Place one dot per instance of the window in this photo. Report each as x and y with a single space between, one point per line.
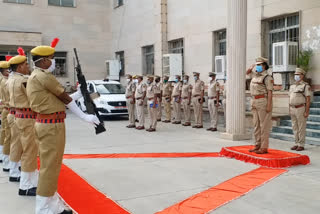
221 42
62 3
61 64
18 1
120 57
176 46
281 30
117 3
148 60
110 89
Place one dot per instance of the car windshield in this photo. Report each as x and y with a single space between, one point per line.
110 89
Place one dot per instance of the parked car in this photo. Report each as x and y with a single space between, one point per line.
111 100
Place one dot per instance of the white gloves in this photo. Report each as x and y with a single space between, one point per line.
90 118
76 95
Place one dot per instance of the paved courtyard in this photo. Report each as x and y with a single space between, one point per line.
149 185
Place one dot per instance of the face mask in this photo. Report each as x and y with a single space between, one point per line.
52 66
176 80
148 82
135 81
210 79
259 68
185 81
128 80
195 78
297 78
165 81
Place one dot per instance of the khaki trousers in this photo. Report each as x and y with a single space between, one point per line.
186 110
51 139
29 145
153 113
5 132
159 114
132 119
224 102
140 112
299 124
262 122
176 110
213 111
167 108
197 107
15 144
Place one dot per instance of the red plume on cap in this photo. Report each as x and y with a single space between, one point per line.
21 51
8 58
54 42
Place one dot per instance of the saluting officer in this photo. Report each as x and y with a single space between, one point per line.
166 98
213 101
261 87
176 100
5 130
186 100
24 122
197 100
140 94
153 93
299 101
130 90
158 83
48 98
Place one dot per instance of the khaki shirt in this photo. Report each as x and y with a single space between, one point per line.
166 89
186 90
152 89
298 93
140 89
17 89
261 84
131 88
197 88
5 97
177 88
213 89
42 90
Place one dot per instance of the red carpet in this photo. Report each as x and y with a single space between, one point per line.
274 159
143 155
223 193
84 198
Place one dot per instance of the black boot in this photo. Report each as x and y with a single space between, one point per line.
66 212
14 179
28 192
6 170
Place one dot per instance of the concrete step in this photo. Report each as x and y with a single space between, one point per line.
310 125
314 111
315 105
314 118
287 137
288 130
316 98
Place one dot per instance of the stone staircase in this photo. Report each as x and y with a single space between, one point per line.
285 132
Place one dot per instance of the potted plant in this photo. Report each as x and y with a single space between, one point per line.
303 61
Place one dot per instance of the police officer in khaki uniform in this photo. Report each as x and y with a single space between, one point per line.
166 91
140 94
158 83
130 90
24 123
213 101
224 102
176 100
48 98
261 87
153 92
197 100
186 100
299 106
5 130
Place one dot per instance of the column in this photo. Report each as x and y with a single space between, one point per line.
236 68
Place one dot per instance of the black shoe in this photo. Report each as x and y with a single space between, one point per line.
66 212
6 170
28 192
20 168
0 161
14 179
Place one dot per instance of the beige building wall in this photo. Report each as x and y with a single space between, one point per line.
86 27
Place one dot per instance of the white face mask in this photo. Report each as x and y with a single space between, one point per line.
185 81
128 80
210 79
52 66
297 78
135 81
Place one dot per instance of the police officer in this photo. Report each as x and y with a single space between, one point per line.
158 83
130 90
224 102
166 91
48 98
299 106
140 94
213 101
153 92
261 87
5 130
197 100
186 100
24 124
176 100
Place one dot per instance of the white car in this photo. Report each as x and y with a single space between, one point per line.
112 100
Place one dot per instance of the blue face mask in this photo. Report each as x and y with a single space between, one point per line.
259 68
176 80
297 78
195 78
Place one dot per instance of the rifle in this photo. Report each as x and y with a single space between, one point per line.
91 107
